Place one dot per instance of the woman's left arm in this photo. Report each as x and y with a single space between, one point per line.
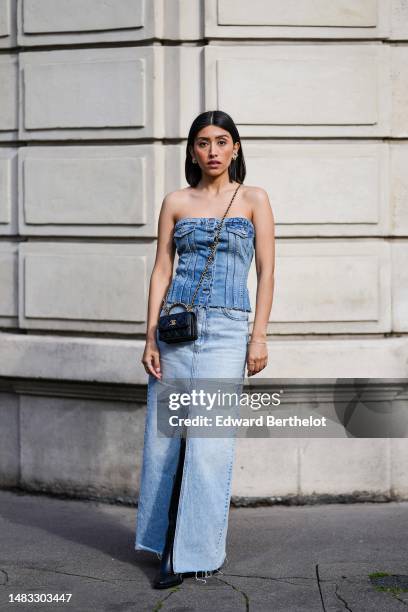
264 223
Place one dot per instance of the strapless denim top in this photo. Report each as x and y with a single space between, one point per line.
225 283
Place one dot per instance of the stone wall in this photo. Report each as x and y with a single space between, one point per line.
95 106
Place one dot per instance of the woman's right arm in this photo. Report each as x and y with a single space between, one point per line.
160 280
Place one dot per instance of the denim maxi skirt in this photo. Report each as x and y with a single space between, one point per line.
202 518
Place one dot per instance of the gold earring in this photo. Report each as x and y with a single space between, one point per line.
194 161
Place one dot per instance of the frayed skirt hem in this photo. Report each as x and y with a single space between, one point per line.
142 547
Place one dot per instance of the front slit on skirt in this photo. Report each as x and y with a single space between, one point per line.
205 493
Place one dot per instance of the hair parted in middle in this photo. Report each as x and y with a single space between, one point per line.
237 169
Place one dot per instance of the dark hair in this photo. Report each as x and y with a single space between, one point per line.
236 170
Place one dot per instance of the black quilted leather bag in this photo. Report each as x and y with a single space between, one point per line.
182 326
178 327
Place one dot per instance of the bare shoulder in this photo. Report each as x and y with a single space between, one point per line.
173 201
174 197
258 200
255 195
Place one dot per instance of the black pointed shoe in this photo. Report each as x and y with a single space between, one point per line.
167 578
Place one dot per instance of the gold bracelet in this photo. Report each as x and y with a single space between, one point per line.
256 342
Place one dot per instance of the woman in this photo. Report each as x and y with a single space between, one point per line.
186 482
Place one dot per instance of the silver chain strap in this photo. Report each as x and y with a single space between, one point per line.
213 247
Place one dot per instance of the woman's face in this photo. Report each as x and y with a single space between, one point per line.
213 144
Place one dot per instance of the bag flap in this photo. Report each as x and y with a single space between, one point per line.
175 321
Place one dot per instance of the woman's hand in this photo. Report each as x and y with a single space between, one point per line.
257 357
151 359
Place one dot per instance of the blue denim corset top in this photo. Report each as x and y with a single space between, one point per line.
225 283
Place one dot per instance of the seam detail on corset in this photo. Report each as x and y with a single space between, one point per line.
186 279
194 270
206 324
192 247
234 268
241 260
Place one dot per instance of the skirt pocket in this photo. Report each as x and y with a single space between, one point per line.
237 315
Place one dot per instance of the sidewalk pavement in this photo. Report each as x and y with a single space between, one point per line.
278 558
